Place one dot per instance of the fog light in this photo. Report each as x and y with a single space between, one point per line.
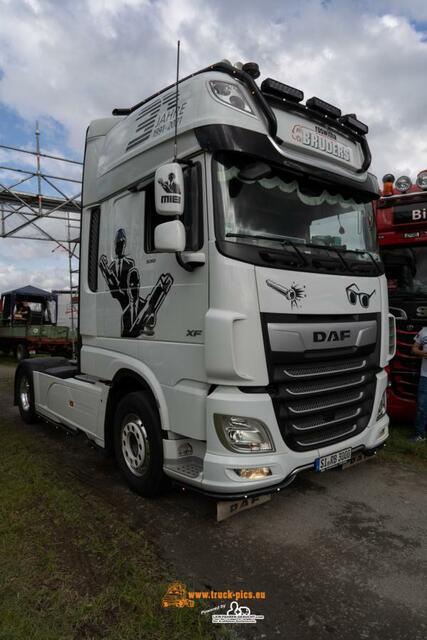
382 409
244 435
256 473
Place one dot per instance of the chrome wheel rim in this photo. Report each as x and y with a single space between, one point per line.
24 393
135 445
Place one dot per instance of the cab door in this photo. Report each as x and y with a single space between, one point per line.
145 294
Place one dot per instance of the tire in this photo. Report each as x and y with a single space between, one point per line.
21 352
138 444
25 396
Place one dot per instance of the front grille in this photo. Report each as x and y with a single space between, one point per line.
319 420
326 396
316 370
405 367
324 386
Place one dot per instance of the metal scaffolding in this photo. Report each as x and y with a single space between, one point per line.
46 209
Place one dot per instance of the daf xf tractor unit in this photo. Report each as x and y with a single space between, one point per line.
233 324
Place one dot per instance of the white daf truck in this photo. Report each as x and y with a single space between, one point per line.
233 324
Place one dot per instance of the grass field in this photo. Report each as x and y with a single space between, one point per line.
399 450
69 568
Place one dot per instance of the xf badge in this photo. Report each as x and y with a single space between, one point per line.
193 333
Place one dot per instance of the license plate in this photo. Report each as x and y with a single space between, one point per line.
333 460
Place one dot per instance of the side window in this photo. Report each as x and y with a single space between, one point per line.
192 217
92 261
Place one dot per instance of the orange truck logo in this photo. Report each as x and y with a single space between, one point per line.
176 596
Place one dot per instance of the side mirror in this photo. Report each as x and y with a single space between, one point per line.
170 236
169 190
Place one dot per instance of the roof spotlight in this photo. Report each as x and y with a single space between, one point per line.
351 121
422 179
403 184
281 90
323 107
252 69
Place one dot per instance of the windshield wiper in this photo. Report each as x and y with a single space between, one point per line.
341 251
280 239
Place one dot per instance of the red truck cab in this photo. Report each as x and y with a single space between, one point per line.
401 215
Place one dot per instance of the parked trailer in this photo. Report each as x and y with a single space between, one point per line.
36 331
234 323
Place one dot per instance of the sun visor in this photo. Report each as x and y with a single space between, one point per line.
321 145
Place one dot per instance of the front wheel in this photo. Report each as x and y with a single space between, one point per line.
25 397
138 444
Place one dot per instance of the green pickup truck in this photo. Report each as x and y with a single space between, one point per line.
28 324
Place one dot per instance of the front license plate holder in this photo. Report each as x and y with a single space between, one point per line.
332 460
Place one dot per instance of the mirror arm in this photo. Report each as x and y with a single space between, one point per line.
185 163
188 265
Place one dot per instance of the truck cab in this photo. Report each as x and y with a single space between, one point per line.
401 214
233 321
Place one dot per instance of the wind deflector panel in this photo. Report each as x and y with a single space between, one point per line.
147 117
92 261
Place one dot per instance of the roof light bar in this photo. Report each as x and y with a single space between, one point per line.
323 107
280 90
403 184
351 121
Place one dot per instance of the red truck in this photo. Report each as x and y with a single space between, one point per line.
401 214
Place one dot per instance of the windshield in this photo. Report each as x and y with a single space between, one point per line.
259 206
406 271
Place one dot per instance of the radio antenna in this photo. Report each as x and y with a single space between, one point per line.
175 152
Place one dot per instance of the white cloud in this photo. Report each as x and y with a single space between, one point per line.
72 61
25 262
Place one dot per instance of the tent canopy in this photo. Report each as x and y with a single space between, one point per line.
30 294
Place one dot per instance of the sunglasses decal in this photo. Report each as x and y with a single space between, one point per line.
354 294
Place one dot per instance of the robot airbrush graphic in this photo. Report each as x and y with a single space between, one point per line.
139 315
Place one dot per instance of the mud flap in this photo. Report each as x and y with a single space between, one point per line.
227 508
358 457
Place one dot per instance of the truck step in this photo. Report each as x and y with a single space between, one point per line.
190 467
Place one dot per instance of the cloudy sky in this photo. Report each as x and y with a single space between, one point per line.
66 62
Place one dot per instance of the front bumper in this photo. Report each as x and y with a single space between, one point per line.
219 464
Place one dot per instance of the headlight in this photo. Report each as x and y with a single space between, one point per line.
243 435
382 409
230 95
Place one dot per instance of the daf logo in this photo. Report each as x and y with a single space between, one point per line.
331 336
422 312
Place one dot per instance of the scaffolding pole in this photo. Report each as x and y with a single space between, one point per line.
22 212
